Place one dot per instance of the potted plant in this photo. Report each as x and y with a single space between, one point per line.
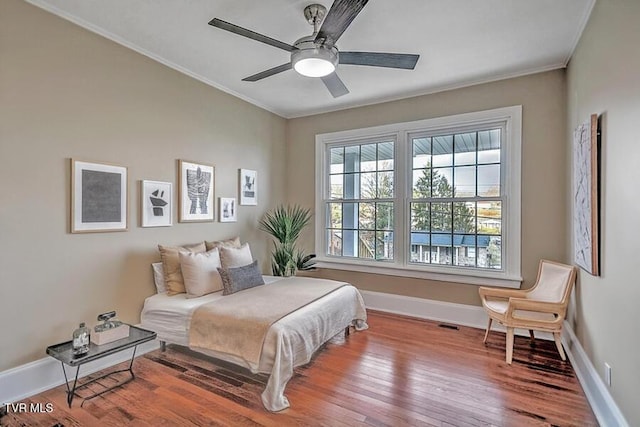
285 223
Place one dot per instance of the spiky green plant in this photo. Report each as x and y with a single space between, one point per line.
285 223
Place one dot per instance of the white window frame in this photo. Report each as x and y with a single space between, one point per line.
510 274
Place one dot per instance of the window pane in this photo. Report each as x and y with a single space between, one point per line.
366 244
336 184
367 216
443 150
337 160
385 185
489 146
385 156
441 216
352 158
422 183
421 251
465 148
462 255
421 153
368 185
490 218
384 216
441 244
441 182
350 215
465 181
490 252
334 239
464 217
420 217
368 157
334 215
350 243
351 186
384 245
489 180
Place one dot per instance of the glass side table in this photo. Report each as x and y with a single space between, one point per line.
62 352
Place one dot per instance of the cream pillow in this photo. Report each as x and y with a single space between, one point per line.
229 243
171 265
158 277
235 257
200 272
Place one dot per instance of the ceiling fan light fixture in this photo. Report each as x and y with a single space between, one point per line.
313 61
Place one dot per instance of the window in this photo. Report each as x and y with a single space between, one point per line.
436 198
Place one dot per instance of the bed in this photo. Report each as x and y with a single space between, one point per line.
289 342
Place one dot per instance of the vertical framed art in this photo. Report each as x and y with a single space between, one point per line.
99 199
248 187
228 209
156 205
196 183
586 196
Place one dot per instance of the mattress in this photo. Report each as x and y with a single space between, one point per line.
290 342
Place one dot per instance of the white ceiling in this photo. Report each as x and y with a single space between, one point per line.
460 42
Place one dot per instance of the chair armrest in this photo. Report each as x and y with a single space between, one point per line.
500 292
556 309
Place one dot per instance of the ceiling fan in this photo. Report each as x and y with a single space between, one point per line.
317 55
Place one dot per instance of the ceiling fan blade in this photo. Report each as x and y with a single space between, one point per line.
379 59
339 17
267 73
219 23
335 85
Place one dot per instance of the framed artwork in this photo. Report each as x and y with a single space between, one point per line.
585 196
196 200
99 199
156 204
228 209
248 187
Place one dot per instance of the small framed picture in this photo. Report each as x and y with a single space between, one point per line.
196 181
99 199
248 187
228 209
156 204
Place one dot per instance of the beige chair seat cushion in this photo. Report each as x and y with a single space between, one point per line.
499 306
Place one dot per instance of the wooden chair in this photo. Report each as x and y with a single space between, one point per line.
541 308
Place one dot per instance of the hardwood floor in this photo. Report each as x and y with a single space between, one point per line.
402 371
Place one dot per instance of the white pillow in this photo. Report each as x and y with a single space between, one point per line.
200 272
235 257
158 277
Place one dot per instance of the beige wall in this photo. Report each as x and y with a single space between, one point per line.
68 93
603 77
544 188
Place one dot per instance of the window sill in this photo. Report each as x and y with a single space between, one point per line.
489 278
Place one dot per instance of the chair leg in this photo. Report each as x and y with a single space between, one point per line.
486 334
533 337
556 338
509 345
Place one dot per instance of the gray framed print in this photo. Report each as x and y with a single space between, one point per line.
228 209
156 208
248 187
99 199
196 181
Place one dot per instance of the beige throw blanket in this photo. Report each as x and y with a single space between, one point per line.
237 324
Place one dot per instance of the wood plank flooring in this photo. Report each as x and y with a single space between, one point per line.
402 371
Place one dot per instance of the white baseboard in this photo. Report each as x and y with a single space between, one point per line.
601 401
604 407
43 374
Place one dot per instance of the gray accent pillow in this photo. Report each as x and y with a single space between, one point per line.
236 279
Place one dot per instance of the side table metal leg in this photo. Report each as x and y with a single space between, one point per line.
70 391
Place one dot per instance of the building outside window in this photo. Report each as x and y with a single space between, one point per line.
435 198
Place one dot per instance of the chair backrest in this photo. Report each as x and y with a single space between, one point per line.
554 283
